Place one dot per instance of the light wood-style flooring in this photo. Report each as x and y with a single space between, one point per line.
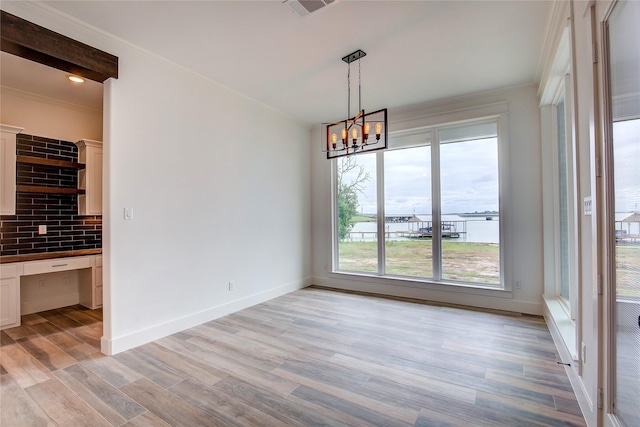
312 357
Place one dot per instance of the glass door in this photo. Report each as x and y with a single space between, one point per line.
624 149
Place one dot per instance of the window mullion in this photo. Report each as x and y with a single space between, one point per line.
574 198
380 212
334 216
436 228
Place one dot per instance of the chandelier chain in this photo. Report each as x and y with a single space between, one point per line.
349 90
359 89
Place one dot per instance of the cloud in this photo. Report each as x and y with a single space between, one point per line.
469 178
626 154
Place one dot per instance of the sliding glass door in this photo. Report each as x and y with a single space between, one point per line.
624 148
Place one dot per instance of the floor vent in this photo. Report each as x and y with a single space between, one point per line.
306 7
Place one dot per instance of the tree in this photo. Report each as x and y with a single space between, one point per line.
351 179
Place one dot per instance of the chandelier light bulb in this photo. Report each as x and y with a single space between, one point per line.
334 138
378 130
344 136
354 135
367 126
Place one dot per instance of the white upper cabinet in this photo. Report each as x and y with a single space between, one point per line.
90 178
8 171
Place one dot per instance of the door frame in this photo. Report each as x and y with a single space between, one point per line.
38 44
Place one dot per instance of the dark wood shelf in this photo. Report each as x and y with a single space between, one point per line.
47 190
49 162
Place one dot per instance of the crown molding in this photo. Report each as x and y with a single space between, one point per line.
558 21
45 99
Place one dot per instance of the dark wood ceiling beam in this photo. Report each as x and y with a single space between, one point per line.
30 41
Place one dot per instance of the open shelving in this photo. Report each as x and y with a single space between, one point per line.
48 190
40 189
49 162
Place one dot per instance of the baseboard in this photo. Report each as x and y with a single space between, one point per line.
582 396
30 307
135 339
457 296
558 318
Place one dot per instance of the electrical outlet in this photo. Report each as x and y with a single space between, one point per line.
232 285
517 284
42 229
42 284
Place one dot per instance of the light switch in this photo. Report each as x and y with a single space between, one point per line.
42 229
128 213
587 205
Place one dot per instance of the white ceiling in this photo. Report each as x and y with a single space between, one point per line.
28 76
417 51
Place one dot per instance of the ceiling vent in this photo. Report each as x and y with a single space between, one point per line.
306 7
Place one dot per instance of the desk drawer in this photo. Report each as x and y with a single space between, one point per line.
8 271
59 264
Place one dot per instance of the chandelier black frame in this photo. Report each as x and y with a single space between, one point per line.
361 133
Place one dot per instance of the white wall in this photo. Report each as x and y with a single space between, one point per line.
42 292
49 118
524 227
219 185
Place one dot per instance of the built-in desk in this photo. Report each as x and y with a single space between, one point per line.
89 269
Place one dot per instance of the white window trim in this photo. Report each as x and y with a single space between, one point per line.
556 310
564 93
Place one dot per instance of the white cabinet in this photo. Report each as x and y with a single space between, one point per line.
9 296
8 169
91 284
89 269
97 282
55 265
90 178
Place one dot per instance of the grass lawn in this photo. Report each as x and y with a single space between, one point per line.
362 219
463 261
628 270
471 262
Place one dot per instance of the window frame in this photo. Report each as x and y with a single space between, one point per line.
559 78
564 93
494 113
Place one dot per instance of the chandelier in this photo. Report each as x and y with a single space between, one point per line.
361 133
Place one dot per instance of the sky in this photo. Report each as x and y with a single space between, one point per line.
469 176
626 154
469 179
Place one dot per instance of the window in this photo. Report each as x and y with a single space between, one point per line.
563 200
469 204
561 216
423 210
566 212
566 206
407 190
357 200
